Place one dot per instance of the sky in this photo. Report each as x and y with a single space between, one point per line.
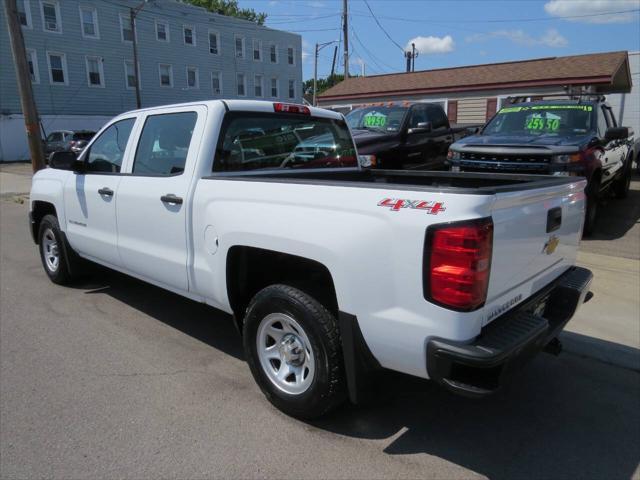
455 32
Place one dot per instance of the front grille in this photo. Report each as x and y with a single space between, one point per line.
510 158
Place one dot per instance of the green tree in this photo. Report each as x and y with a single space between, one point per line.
230 8
323 83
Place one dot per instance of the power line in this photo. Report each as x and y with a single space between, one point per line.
381 65
381 27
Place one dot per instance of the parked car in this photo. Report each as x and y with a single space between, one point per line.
558 137
468 274
67 140
404 135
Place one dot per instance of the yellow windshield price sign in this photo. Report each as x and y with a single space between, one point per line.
584 108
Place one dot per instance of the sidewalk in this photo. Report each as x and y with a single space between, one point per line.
15 179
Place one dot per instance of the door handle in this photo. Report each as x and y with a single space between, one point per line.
106 191
171 198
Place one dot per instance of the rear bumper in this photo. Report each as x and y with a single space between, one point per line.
480 368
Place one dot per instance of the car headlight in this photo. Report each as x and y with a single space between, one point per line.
453 155
367 161
569 158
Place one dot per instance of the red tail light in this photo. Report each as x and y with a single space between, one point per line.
457 264
291 108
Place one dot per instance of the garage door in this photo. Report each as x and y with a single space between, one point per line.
472 110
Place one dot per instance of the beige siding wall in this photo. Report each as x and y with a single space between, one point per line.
472 110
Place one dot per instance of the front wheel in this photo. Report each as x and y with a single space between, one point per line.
53 252
292 345
593 196
622 184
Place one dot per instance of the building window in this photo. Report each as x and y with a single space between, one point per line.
166 75
51 21
125 28
89 22
162 31
32 59
193 78
291 60
257 50
130 74
292 89
274 87
95 71
273 53
24 13
257 85
216 83
239 46
214 42
57 68
189 35
240 80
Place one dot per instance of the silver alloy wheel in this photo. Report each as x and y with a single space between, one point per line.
285 353
50 250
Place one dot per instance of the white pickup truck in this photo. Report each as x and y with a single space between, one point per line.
332 272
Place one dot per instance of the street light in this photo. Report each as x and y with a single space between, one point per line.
319 46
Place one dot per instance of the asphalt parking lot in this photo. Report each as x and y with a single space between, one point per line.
114 378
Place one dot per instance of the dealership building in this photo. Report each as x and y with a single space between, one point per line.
80 56
472 94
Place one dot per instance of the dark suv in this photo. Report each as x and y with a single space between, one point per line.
67 141
578 137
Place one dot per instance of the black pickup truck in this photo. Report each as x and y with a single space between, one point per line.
403 135
572 137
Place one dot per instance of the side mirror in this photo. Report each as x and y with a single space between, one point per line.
64 161
422 127
616 133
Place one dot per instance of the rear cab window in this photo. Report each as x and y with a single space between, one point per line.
271 141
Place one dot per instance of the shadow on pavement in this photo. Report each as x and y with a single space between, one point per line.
563 417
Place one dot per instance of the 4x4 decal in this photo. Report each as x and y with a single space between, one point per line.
395 204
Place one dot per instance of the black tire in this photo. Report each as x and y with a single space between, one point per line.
622 184
67 266
326 389
591 214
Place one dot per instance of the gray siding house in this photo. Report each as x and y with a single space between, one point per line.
81 59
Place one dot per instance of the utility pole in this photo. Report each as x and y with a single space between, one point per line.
345 32
333 63
133 13
23 77
319 46
411 58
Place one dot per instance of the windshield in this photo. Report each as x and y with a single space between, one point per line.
537 120
385 119
253 141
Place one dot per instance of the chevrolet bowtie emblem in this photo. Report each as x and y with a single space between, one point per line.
551 245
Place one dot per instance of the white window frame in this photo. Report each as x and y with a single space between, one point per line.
235 47
293 56
160 65
261 83
274 44
94 15
65 70
197 70
289 89
56 4
32 56
166 30
27 13
100 70
219 75
217 35
126 80
125 18
253 50
244 84
193 35
277 95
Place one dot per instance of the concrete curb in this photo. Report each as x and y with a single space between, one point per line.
601 350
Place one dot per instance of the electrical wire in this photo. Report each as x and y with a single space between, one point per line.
381 27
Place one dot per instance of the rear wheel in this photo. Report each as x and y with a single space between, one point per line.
293 348
593 196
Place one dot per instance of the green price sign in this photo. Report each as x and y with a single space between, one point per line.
539 123
375 120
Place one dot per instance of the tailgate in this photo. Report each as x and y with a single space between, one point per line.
536 238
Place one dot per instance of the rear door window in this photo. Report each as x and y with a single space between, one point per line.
254 141
164 144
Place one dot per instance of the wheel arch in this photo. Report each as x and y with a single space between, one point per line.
39 209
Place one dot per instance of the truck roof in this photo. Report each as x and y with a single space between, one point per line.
550 101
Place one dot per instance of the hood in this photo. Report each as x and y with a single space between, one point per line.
372 137
523 141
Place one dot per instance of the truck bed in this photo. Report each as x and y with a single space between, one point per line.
431 181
